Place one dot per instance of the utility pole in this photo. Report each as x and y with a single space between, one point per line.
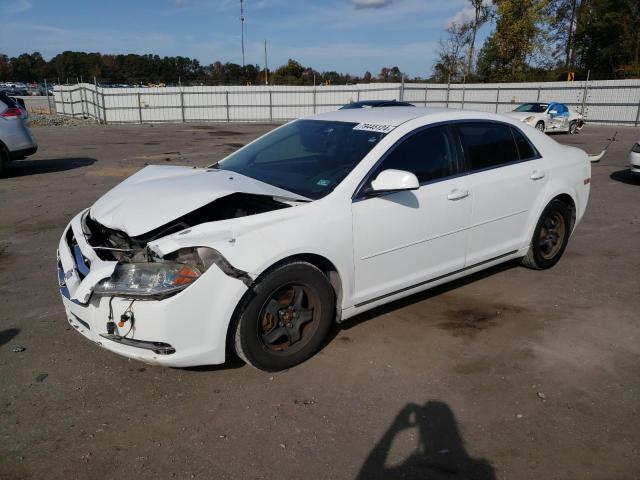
266 68
242 27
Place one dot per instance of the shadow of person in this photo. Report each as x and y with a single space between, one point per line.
440 453
7 335
21 168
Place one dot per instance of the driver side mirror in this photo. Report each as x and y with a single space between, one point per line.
392 180
553 112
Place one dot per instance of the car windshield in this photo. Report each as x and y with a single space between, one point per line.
532 107
306 157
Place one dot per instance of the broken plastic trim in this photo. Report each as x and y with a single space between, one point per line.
160 348
228 269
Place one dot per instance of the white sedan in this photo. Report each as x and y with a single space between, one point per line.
634 159
548 117
313 223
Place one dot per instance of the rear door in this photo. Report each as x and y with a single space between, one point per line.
404 238
506 176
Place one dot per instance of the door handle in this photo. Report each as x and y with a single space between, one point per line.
537 175
457 194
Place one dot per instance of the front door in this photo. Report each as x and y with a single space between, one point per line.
404 238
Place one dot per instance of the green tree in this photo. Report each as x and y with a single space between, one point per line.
607 38
518 35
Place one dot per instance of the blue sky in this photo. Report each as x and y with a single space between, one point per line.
349 36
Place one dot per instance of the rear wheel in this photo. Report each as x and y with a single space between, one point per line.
4 159
550 237
540 126
285 317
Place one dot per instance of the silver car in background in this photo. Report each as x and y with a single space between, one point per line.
16 140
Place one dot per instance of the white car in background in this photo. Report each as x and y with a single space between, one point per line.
548 117
634 159
317 221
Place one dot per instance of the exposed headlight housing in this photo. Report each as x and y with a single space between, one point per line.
148 279
529 119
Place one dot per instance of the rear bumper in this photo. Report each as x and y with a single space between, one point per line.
23 153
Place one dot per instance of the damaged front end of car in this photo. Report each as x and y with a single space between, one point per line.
153 284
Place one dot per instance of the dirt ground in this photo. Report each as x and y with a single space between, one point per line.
508 374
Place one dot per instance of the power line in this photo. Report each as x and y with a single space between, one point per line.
242 27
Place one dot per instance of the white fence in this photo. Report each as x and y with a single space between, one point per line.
605 101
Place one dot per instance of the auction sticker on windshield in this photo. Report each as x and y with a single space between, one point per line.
374 127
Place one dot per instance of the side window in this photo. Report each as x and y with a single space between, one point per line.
525 149
488 144
429 154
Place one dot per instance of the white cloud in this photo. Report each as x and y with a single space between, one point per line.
465 15
14 6
371 3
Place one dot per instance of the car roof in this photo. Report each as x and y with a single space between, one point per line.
392 116
395 116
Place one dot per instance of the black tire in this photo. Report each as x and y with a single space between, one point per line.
4 160
284 317
573 128
550 237
540 126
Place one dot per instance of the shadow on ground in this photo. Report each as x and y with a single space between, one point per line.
625 176
440 453
7 335
417 297
21 168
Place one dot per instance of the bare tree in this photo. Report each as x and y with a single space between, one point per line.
482 14
450 63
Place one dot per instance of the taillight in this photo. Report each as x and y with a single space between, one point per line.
12 112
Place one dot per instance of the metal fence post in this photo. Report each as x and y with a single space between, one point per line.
425 94
46 89
358 95
497 98
139 107
182 105
314 100
538 99
95 100
637 115
104 107
584 92
82 100
448 91
464 90
270 107
71 102
401 94
226 94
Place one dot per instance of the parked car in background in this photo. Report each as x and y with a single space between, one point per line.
16 139
634 159
548 117
315 222
375 104
16 89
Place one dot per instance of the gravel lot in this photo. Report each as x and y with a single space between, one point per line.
509 374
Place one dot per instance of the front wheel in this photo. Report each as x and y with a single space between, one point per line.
540 126
550 237
285 317
573 128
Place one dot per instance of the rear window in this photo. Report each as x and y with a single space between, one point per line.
488 145
525 149
8 101
636 148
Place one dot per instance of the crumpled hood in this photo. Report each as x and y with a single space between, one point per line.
158 194
520 115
